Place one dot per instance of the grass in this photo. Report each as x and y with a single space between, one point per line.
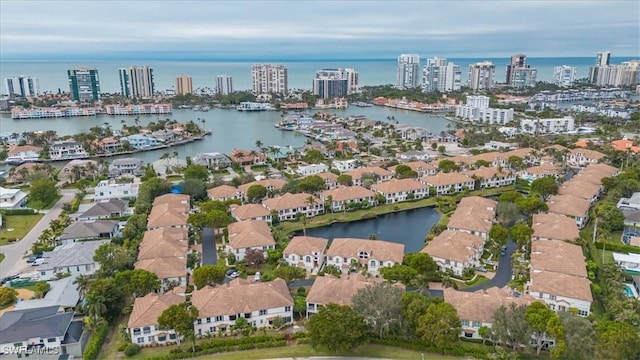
31 203
110 347
86 201
220 172
21 225
259 168
479 280
174 177
2 256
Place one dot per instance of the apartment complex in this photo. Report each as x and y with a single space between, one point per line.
22 86
269 78
224 84
477 110
564 75
603 73
408 71
184 85
440 75
519 73
136 82
330 83
482 75
84 84
547 126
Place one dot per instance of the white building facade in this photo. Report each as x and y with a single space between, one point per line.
408 76
564 75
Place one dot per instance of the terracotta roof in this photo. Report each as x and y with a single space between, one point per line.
165 267
568 205
249 211
589 154
605 168
328 176
177 201
545 169
164 242
554 226
634 241
593 175
241 296
377 249
416 166
250 233
277 184
487 172
346 193
555 147
548 282
289 201
222 192
482 304
357 173
522 153
246 156
24 148
147 309
443 179
580 188
474 213
331 290
625 145
488 156
559 257
453 245
397 185
163 215
302 245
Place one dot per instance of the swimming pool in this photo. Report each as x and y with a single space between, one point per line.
628 291
632 272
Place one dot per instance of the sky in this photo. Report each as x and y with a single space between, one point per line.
299 29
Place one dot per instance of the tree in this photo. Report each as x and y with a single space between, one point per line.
137 282
499 233
43 192
82 283
509 196
180 318
440 325
313 156
255 193
507 212
96 305
399 272
337 327
300 304
242 326
442 149
510 326
41 288
113 258
617 341
213 219
311 184
611 218
545 323
290 273
545 186
113 295
254 257
344 179
521 234
8 296
485 333
208 275
579 336
531 205
405 172
381 307
447 165
515 162
195 188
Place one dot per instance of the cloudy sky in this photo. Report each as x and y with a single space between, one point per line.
316 29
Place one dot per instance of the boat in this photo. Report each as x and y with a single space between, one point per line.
205 108
361 104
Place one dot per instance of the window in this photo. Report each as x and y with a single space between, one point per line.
293 258
151 338
583 313
464 322
287 308
146 330
162 338
140 340
172 336
308 259
540 295
552 297
232 317
468 335
247 315
199 321
51 340
263 312
476 324
219 318
373 263
208 320
344 260
136 331
363 255
312 306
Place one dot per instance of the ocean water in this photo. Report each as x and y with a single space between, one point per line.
53 73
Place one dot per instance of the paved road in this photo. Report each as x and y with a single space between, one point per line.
503 273
14 262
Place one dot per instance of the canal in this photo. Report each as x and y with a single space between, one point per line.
407 227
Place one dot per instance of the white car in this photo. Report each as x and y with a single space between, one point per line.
256 277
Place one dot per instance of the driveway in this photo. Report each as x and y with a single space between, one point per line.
14 262
503 273
209 251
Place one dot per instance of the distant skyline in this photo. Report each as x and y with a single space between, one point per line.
315 29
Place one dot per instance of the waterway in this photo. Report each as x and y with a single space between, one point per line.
407 227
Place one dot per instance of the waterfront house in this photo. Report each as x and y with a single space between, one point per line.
474 215
554 227
23 153
143 321
420 167
62 293
223 193
165 136
127 166
250 212
397 190
67 150
345 165
306 252
329 289
559 257
109 145
249 234
171 271
572 206
455 251
273 186
348 197
75 258
561 292
139 109
110 189
379 174
164 242
141 142
488 177
89 230
288 205
448 183
213 160
330 180
260 303
349 254
76 169
112 208
12 198
312 169
245 157
583 157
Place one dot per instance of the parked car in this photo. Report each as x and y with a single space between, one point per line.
256 277
9 278
32 259
232 273
481 269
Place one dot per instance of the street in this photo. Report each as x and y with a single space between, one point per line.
503 272
14 262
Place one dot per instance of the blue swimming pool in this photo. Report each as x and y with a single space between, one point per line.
633 272
628 291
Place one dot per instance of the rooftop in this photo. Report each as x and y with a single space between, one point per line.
558 256
453 245
302 245
250 233
474 213
399 185
554 226
377 249
580 188
106 208
358 173
148 308
22 325
249 211
346 193
222 191
568 205
444 179
73 254
290 201
165 267
331 290
482 304
549 282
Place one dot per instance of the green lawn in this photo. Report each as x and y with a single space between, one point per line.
259 168
86 201
174 177
480 279
48 206
220 172
21 225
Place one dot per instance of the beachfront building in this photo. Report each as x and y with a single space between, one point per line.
249 234
481 75
408 74
397 190
547 126
22 86
63 150
564 75
84 84
136 82
331 83
349 254
110 189
455 251
519 73
289 205
306 252
184 85
224 84
12 198
440 75
348 197
269 78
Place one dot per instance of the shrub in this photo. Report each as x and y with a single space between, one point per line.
619 247
132 349
92 349
122 346
10 212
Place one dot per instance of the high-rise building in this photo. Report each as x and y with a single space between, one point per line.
517 61
519 74
603 58
84 84
331 83
184 85
440 75
224 84
482 75
564 75
408 71
269 78
22 86
136 82
352 80
625 74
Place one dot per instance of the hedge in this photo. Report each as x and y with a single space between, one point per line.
92 350
10 212
246 345
458 349
618 247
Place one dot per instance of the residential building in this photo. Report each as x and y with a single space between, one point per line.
547 126
67 150
481 75
62 293
289 205
75 258
352 80
260 303
372 255
184 85
140 142
554 227
12 198
139 109
167 215
631 203
223 193
376 173
562 292
23 153
345 165
330 180
331 83
564 75
408 76
143 322
476 309
397 190
312 169
420 167
559 257
306 252
269 78
440 75
111 208
164 242
22 86
244 157
486 115
517 61
214 160
89 230
630 261
414 155
136 82
448 183
603 58
455 251
474 215
273 186
582 157
583 189
127 166
171 271
84 84
348 197
250 212
572 206
76 169
489 176
31 330
249 234
539 171
340 291
110 189
625 145
224 84
479 101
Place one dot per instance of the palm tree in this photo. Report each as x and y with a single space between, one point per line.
92 168
259 144
82 284
328 204
175 156
91 325
96 306
166 156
